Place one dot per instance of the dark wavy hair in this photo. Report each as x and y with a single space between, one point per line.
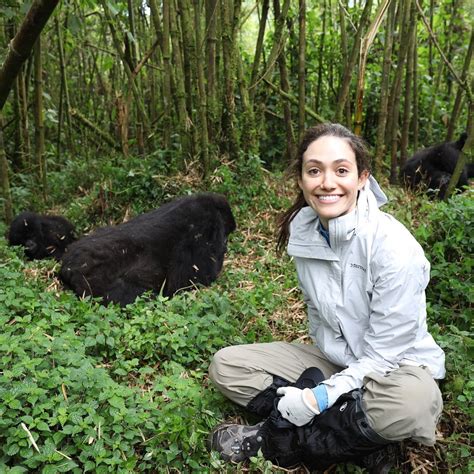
359 147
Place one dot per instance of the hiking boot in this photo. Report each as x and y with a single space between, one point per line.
235 443
381 461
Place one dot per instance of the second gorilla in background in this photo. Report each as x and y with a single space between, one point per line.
178 246
433 167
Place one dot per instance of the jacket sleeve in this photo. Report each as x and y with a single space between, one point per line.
397 308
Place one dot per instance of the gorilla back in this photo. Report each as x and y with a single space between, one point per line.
433 167
42 236
178 246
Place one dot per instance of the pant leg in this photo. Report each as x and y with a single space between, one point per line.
404 404
243 371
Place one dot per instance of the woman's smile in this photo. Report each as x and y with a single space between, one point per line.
329 198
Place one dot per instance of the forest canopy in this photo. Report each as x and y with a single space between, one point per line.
205 80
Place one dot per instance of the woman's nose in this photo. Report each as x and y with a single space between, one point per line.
328 181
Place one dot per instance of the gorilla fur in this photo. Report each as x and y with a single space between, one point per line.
432 167
42 236
177 246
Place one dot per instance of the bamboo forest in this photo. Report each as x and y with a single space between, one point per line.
201 200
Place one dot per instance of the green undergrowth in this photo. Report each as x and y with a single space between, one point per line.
88 388
108 389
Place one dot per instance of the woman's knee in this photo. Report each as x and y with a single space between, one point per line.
226 363
218 365
405 404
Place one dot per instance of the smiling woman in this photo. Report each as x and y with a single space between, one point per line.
367 381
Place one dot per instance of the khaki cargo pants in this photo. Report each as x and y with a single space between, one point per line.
404 404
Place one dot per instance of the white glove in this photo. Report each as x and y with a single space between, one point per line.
295 405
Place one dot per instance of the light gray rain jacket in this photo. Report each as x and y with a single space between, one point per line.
366 293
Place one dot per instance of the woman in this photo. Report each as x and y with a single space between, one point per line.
368 379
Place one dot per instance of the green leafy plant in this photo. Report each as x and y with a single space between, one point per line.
89 388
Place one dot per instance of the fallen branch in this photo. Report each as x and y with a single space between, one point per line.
294 100
91 126
30 437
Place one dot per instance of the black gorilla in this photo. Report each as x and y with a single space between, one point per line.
178 246
42 236
434 166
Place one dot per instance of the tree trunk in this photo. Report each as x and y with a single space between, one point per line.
4 179
301 67
64 89
165 50
279 38
319 84
408 86
211 43
285 87
132 87
39 121
366 42
344 53
384 86
431 108
183 120
467 153
202 102
18 156
259 48
415 125
460 92
23 103
350 64
134 50
154 86
229 132
189 65
21 46
430 42
247 121
396 89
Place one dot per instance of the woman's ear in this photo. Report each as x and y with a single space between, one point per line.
364 176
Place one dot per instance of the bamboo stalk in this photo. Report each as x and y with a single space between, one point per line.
365 45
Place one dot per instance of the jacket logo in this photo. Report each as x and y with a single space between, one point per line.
360 267
343 406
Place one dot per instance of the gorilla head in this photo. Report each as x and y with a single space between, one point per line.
41 236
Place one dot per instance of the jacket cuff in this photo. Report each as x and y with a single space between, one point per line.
314 410
321 395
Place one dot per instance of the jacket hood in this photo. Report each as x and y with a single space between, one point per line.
380 196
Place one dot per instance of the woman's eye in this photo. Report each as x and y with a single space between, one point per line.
342 171
313 171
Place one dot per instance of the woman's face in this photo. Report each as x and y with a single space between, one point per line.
329 179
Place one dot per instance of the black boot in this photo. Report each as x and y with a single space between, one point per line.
263 403
339 434
383 460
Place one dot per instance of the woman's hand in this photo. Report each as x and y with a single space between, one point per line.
297 406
